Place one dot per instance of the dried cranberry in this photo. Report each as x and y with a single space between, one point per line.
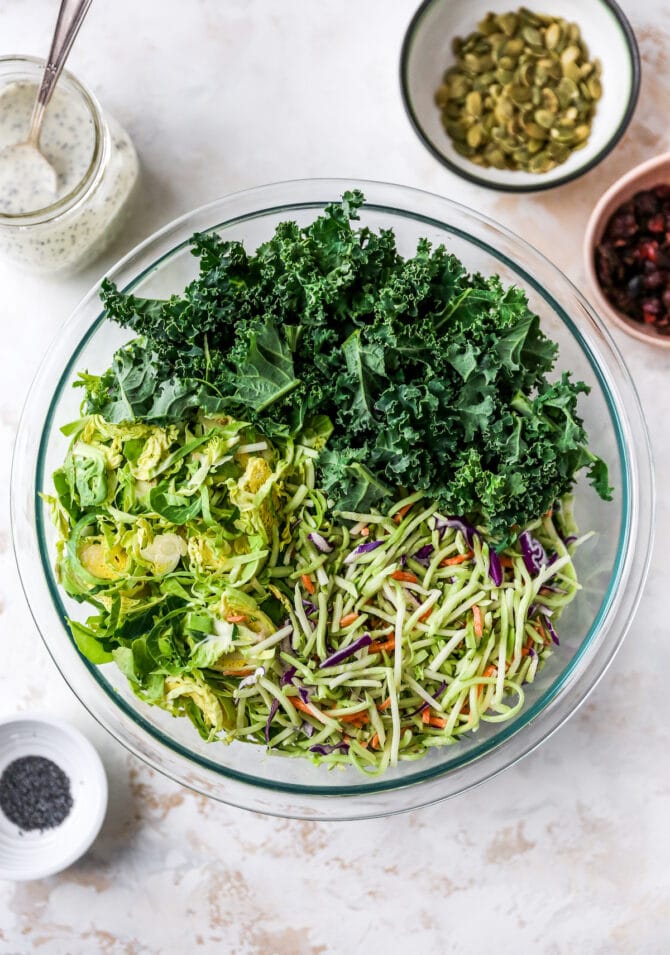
649 250
652 281
633 258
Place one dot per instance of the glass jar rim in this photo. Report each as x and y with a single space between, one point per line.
66 202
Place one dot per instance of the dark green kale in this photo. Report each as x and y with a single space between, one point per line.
432 378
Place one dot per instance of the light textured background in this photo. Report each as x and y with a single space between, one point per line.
567 852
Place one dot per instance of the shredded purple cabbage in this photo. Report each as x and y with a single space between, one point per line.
274 706
362 549
495 568
425 706
467 530
534 554
287 676
424 552
347 651
552 632
320 542
308 729
303 693
539 608
325 749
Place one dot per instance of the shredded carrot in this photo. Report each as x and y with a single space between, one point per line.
385 705
307 583
506 561
478 621
244 672
426 615
363 743
405 575
374 742
543 633
365 531
378 645
431 720
235 617
489 671
459 559
397 518
299 705
348 618
359 718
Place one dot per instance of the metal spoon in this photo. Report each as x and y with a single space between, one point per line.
25 161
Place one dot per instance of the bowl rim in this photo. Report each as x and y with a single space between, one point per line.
312 194
621 189
96 777
540 186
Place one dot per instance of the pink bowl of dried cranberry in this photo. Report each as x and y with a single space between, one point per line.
627 252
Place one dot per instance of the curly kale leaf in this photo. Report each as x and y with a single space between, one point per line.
431 378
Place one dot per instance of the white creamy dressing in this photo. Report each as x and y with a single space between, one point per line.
76 202
28 183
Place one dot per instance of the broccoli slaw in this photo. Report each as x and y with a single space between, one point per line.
228 589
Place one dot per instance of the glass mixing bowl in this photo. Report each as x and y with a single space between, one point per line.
612 565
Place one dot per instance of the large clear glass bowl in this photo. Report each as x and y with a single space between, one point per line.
612 565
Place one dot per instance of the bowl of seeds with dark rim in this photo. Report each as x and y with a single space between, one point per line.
519 99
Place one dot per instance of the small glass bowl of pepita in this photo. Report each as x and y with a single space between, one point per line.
516 98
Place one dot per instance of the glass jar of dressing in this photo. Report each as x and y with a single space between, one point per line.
96 172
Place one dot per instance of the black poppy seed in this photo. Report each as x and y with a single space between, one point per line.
35 793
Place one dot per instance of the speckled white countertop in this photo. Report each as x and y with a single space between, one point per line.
565 853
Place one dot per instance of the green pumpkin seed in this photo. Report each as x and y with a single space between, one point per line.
572 71
514 47
463 149
504 109
552 36
532 35
488 25
522 92
549 100
507 62
473 103
504 76
563 134
569 55
540 162
508 23
544 118
525 73
594 87
475 136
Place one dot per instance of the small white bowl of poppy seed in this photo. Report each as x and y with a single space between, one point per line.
53 796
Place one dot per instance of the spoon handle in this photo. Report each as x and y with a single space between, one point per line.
70 18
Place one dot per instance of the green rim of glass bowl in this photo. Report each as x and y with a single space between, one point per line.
620 21
430 773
